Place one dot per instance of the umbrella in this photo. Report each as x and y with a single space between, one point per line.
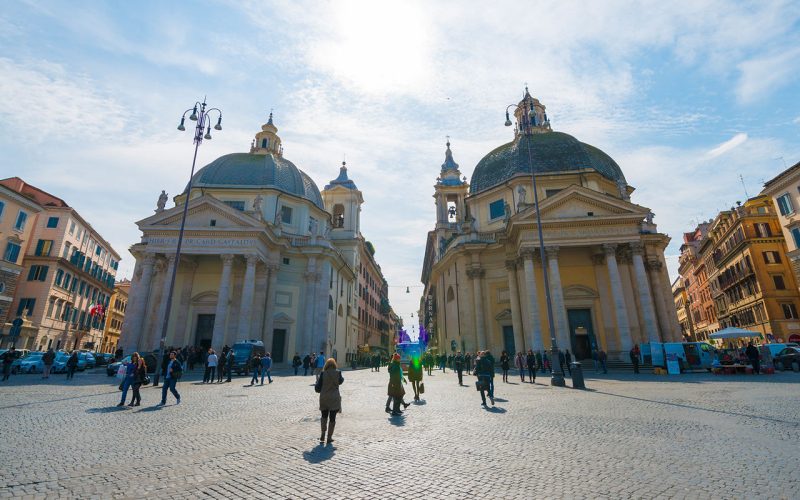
733 333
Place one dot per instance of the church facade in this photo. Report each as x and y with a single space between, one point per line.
482 273
265 256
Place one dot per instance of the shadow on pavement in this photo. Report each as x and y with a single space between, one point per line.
115 391
495 409
107 409
319 453
151 408
501 400
397 420
420 402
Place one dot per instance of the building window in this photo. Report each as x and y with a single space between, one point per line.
59 276
213 222
496 209
72 228
789 311
238 205
22 217
779 283
2 209
26 304
52 222
43 248
450 294
785 204
338 215
286 214
763 230
37 273
286 261
264 143
772 257
12 252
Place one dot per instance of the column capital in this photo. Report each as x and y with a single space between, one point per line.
148 259
189 263
227 258
598 259
552 252
475 272
272 267
528 253
610 249
511 264
637 248
653 265
252 260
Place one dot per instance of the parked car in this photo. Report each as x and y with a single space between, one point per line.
91 362
32 363
103 358
21 355
789 357
149 359
60 363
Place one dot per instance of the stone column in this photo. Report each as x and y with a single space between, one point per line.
557 297
620 310
476 274
162 308
182 322
223 297
672 314
137 303
259 304
516 317
645 295
535 333
308 317
611 340
269 314
655 275
248 292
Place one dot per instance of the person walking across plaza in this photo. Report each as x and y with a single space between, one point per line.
530 361
458 364
602 357
468 363
48 359
211 366
519 364
306 364
221 362
546 363
395 390
319 363
229 364
130 372
754 357
488 355
72 364
330 400
296 362
415 375
266 368
172 372
484 371
139 378
255 367
505 365
8 359
635 352
568 361
428 361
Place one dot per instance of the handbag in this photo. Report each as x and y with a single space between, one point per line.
422 388
318 384
120 386
146 380
480 385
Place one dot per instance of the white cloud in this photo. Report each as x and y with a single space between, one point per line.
728 145
764 74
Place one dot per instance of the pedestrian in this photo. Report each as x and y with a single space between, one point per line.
568 361
429 362
539 365
255 366
530 362
754 357
221 365
48 359
450 361
561 361
72 364
595 361
546 363
211 366
296 362
415 375
139 378
191 358
320 363
330 401
490 360
395 391
8 359
602 356
468 363
127 380
443 363
266 368
306 364
458 363
519 364
229 362
172 372
505 365
635 352
484 370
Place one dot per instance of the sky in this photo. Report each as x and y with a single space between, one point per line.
697 101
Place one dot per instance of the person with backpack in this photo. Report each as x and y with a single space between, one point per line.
296 362
330 400
172 372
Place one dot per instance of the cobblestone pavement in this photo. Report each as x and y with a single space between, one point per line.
693 436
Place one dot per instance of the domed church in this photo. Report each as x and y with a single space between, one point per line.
265 256
484 287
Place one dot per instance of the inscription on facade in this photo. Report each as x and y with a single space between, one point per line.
203 242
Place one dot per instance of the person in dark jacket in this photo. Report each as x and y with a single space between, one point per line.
72 364
754 357
395 391
48 359
484 370
330 401
8 359
468 363
531 361
230 362
172 372
562 361
306 364
505 365
255 367
635 352
296 362
567 361
139 376
458 364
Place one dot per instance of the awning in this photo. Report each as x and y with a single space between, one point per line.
733 333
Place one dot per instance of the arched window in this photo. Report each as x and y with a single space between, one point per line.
338 215
264 143
340 313
450 294
330 302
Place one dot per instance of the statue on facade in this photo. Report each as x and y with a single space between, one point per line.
312 227
521 196
257 203
507 211
649 217
162 201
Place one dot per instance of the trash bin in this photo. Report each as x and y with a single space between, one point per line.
577 375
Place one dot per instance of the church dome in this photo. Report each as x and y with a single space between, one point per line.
263 167
551 152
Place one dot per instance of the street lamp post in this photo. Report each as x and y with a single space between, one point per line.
202 115
526 129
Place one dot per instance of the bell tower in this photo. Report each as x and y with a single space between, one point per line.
343 201
267 141
450 193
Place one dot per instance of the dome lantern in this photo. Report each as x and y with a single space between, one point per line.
267 141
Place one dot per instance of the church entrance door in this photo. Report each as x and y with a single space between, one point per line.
278 344
508 340
204 331
581 333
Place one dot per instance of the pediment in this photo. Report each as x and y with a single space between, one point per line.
578 202
202 211
504 315
283 318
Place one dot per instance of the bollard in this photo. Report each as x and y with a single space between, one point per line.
577 375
